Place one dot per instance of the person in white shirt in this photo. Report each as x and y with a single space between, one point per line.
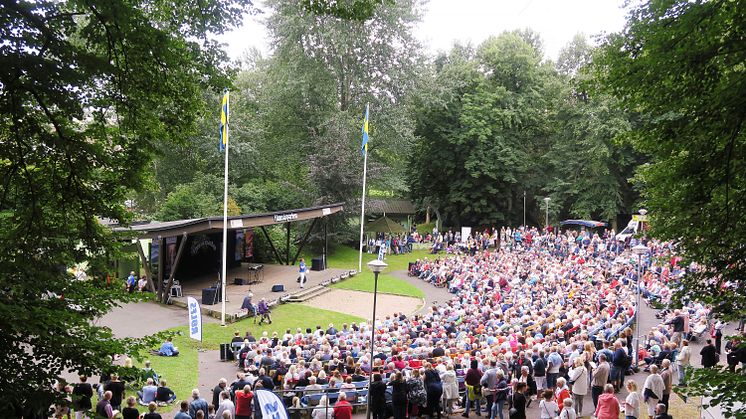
633 401
652 390
579 377
683 360
548 408
567 410
226 405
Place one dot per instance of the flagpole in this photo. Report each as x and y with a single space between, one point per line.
225 216
362 206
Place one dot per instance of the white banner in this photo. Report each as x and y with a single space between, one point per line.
272 406
465 233
195 319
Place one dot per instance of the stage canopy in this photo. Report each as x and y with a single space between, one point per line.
170 238
584 223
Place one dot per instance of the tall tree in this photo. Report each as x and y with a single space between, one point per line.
681 65
493 106
87 90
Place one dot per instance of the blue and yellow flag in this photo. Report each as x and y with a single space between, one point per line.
364 148
224 113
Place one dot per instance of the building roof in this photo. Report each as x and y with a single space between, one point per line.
155 229
389 206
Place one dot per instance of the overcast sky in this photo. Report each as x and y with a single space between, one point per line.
447 21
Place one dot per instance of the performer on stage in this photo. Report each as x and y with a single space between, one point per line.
302 272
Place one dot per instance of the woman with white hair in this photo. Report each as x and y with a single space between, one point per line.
450 388
322 410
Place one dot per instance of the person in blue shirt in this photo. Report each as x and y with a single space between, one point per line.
168 348
302 272
131 282
148 392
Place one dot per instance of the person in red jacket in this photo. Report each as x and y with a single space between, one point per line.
343 408
608 405
244 404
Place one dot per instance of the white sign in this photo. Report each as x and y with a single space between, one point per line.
281 218
326 211
195 319
272 406
237 223
465 233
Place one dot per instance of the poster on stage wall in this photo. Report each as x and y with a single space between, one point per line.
465 233
238 248
248 243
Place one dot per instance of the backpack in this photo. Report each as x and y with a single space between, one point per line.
627 361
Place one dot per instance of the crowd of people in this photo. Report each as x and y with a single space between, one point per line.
535 317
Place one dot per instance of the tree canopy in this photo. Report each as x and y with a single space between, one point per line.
680 65
80 118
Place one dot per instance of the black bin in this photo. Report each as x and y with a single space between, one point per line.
226 352
317 264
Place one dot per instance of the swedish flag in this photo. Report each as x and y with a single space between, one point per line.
364 148
224 118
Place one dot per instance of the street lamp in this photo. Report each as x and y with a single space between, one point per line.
639 250
524 208
546 200
642 212
376 266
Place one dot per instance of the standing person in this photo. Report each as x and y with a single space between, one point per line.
554 362
709 355
473 388
683 360
399 396
608 405
183 411
652 390
131 282
568 412
489 384
579 379
226 405
633 401
618 365
501 395
197 404
377 394
434 389
116 387
450 388
244 399
548 408
540 373
719 325
302 269
81 398
416 393
667 376
519 401
599 378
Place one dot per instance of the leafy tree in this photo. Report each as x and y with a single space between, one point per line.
681 65
589 164
494 105
87 91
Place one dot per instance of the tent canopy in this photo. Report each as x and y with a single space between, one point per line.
584 223
384 225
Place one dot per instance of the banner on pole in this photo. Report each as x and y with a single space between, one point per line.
195 319
272 407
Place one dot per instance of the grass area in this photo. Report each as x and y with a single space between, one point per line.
346 257
285 316
179 372
386 284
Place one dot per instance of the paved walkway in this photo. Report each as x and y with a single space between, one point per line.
433 295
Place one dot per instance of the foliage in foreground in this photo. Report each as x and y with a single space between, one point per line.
88 88
680 64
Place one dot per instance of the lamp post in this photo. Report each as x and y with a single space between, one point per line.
639 250
546 200
524 208
376 266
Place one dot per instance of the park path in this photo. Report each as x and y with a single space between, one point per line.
433 295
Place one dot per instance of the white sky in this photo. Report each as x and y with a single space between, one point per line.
447 21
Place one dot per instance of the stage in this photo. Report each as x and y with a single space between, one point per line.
262 281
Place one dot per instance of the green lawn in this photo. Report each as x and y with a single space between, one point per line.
347 258
386 284
181 372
